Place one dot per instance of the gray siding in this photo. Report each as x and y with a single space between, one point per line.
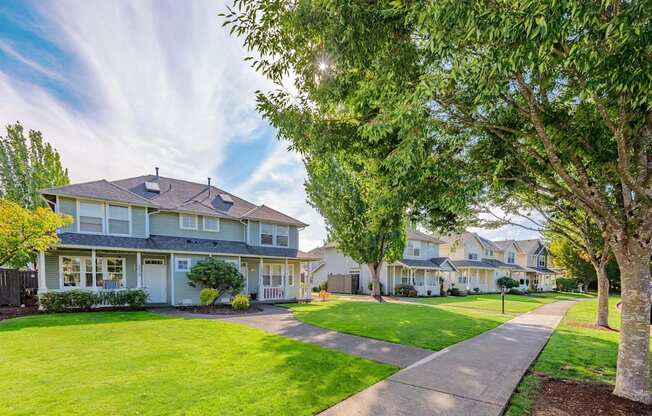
294 237
52 266
138 227
167 223
254 235
69 206
182 290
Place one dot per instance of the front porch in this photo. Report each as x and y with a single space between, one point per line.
163 275
470 278
426 281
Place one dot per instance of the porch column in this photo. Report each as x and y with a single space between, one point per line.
172 269
285 280
94 267
261 291
139 271
42 286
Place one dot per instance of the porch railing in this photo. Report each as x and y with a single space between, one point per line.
273 293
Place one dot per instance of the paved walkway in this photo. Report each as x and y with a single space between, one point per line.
282 322
475 377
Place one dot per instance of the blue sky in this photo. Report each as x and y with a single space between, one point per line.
122 86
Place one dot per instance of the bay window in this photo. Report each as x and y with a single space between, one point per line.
91 217
119 221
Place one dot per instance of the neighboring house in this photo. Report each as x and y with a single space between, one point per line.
480 262
533 256
149 231
421 266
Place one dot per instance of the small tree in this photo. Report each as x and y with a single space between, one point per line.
506 282
23 232
217 274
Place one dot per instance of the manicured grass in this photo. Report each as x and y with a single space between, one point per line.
492 302
575 351
419 325
141 363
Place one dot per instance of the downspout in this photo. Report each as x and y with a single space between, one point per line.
147 220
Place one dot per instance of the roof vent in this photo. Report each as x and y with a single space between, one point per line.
152 187
226 198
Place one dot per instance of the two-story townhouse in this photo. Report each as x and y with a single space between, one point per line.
533 256
421 266
149 231
480 262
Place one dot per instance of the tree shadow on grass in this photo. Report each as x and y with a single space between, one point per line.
78 318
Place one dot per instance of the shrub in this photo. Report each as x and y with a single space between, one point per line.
458 292
476 290
217 274
323 286
208 295
506 282
370 287
405 290
566 284
514 291
240 303
323 295
315 289
75 300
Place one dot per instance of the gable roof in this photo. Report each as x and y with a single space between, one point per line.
175 195
506 244
421 236
531 246
487 243
437 263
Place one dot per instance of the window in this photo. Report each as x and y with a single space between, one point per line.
273 275
182 264
542 261
119 222
282 235
115 273
419 281
187 222
266 234
272 234
413 248
405 276
489 253
71 271
473 256
462 279
290 274
511 257
99 272
91 217
211 224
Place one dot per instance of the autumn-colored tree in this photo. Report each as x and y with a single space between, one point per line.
24 232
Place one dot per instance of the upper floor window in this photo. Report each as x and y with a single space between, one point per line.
91 217
211 224
413 248
489 253
187 221
272 234
511 257
119 222
473 256
542 261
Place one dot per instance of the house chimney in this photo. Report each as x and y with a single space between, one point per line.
209 187
156 168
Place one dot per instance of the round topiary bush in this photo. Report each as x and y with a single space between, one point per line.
240 303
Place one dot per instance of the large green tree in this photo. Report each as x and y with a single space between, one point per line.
558 92
28 164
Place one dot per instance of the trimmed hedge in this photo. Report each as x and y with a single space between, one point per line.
405 290
83 300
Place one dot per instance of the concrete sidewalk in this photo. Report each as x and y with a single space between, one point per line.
282 322
475 377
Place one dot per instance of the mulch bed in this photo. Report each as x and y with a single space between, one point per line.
218 310
8 312
581 398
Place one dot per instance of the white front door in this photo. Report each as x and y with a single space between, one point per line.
155 280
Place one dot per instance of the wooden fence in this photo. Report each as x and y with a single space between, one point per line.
18 287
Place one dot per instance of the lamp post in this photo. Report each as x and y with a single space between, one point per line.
502 298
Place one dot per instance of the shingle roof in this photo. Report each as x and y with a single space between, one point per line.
502 264
437 263
529 245
174 195
505 244
418 235
179 244
473 263
487 243
542 270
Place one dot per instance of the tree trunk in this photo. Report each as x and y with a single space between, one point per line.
632 374
375 281
603 296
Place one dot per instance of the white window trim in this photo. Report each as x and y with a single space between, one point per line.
82 272
208 230
274 234
176 264
107 210
271 274
410 251
181 226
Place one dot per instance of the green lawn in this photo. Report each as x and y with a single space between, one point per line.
418 325
574 351
141 363
491 302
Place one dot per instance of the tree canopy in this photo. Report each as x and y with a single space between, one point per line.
26 232
28 164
